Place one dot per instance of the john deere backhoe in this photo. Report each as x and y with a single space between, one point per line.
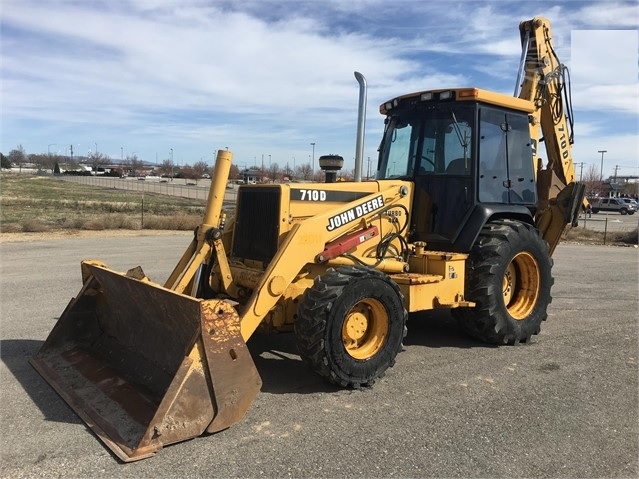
462 215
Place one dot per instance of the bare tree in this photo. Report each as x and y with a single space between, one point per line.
273 172
235 173
41 160
166 168
17 157
199 168
98 160
287 172
134 164
188 172
592 179
304 171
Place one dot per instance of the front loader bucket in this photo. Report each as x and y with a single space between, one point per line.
144 366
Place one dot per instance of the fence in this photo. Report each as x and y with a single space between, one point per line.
177 187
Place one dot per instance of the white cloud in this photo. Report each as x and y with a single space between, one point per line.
196 75
604 57
607 98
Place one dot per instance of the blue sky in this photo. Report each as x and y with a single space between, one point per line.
269 78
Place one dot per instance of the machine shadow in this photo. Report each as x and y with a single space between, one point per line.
275 356
282 370
15 354
437 329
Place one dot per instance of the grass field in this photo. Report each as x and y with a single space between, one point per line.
31 203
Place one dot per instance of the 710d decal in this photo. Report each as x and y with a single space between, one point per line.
303 194
355 213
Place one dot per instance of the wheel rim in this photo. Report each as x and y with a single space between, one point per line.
521 286
365 329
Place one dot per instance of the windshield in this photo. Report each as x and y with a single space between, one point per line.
436 140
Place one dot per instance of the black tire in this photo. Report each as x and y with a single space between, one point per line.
623 211
509 278
350 325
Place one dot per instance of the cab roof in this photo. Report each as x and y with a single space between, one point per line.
457 94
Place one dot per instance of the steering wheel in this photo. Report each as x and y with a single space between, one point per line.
428 160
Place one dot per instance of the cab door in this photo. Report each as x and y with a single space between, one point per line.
444 183
505 169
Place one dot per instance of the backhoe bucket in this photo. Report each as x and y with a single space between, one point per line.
144 366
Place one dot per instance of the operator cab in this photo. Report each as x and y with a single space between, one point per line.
469 153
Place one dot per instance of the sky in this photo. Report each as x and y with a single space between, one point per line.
266 79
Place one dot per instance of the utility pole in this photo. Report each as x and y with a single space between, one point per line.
313 158
616 168
602 155
581 168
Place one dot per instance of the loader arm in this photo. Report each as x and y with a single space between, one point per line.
560 196
145 365
307 239
199 251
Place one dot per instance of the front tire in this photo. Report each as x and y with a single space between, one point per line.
350 325
509 278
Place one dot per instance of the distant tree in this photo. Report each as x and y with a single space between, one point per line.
346 175
56 168
234 174
18 157
592 179
134 164
4 162
287 172
199 168
98 160
167 168
304 171
41 160
274 172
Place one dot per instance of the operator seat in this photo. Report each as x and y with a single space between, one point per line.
458 167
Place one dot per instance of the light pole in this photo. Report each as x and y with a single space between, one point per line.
49 148
313 158
581 168
602 154
171 153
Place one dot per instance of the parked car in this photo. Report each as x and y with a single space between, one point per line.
625 206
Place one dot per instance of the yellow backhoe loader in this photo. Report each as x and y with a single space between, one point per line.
462 215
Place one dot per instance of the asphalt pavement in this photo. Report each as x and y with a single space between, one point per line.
564 405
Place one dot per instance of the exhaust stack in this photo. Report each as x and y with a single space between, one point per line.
361 123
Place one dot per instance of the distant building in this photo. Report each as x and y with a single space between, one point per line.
251 175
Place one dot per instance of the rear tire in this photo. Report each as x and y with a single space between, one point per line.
509 278
350 325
